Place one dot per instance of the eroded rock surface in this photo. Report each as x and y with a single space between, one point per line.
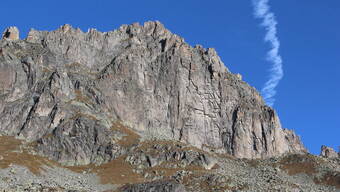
11 33
63 90
328 152
166 166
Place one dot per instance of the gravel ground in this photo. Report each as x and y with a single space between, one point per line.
17 178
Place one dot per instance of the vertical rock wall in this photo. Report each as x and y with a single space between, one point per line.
60 87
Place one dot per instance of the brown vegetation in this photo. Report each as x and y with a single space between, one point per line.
117 171
82 98
114 172
330 179
296 164
130 137
73 65
253 163
11 153
307 164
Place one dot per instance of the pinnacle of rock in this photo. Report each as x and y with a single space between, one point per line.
11 33
328 152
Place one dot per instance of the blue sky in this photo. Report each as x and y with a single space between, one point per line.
308 97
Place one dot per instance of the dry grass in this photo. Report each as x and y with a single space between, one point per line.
73 65
296 164
11 154
117 171
307 164
82 98
253 163
130 138
330 179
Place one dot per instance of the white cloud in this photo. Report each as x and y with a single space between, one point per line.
262 11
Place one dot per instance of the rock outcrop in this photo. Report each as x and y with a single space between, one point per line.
166 166
328 152
63 91
11 33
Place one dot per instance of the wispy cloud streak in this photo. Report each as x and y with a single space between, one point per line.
262 11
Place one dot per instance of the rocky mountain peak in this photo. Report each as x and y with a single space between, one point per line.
139 109
66 89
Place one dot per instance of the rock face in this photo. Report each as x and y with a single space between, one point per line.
328 152
63 90
11 33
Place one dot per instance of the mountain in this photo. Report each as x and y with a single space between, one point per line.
136 96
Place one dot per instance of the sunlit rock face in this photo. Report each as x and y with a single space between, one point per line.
64 89
11 33
328 152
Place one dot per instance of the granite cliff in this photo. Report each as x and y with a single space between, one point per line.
65 89
138 109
